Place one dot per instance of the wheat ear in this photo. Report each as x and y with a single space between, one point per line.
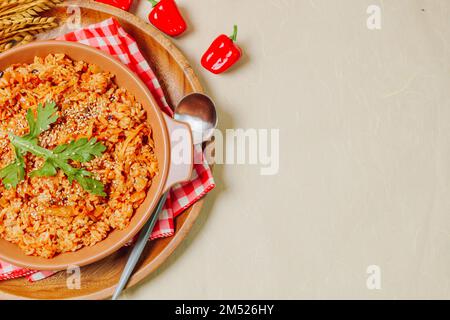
6 23
8 4
20 21
32 29
16 41
27 10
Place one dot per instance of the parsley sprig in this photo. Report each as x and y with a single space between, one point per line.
81 150
13 173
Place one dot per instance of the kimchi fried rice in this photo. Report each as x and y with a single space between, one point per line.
46 216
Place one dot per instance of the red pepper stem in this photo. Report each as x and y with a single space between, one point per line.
153 2
234 35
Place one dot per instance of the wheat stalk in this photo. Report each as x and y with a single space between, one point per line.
26 39
20 7
16 41
20 21
6 23
16 16
29 9
15 38
32 29
8 4
6 46
14 26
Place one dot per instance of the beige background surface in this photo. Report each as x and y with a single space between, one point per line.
365 154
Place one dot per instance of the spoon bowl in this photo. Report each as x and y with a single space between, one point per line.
199 111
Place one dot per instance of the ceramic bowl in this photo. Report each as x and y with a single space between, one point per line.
170 172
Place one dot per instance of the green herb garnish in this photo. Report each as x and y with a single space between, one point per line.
46 115
13 173
81 150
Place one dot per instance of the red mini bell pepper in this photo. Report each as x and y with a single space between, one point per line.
222 54
167 18
121 4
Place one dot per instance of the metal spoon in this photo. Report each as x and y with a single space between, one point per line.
199 111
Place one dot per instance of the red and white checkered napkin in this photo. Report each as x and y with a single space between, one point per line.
110 37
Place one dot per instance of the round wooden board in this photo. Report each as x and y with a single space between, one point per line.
177 79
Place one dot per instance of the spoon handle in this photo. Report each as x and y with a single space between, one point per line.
139 246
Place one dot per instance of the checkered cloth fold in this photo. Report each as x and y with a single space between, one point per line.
110 37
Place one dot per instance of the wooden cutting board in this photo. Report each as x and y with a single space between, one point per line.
177 79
